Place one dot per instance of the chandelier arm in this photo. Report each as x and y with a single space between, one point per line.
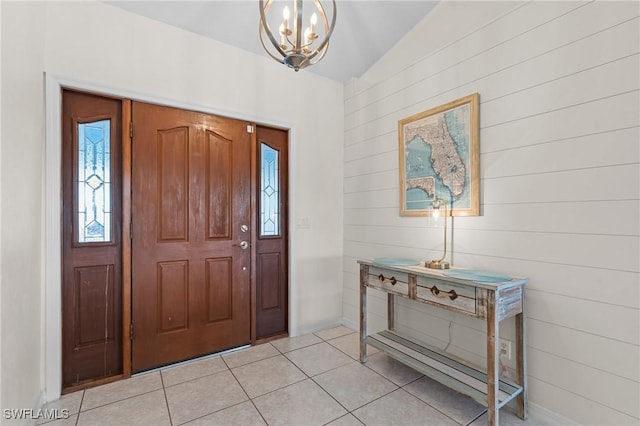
293 46
321 55
264 24
281 60
328 31
323 47
317 55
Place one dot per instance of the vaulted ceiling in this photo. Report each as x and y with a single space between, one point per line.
364 32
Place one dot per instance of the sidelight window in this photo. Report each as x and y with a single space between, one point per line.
94 182
269 192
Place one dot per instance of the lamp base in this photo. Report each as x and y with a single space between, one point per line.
437 264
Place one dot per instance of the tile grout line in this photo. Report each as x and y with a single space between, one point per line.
245 392
80 408
252 362
166 400
333 369
249 399
309 377
345 415
332 397
120 400
410 393
435 408
348 412
476 418
305 377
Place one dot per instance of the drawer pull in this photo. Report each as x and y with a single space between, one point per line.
392 280
444 294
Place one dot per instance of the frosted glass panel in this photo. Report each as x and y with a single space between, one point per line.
269 192
94 182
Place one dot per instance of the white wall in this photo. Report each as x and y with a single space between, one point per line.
560 187
21 195
103 46
1 258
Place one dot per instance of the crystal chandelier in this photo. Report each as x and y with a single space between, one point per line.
297 48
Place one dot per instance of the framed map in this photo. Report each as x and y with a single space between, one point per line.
439 158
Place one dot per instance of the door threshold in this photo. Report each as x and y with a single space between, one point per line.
191 361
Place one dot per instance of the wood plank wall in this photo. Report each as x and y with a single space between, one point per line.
560 187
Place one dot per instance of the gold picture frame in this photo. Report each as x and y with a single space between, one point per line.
439 159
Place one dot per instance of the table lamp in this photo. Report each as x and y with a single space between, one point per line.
440 263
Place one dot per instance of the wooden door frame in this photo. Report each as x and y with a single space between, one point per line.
52 219
253 188
126 237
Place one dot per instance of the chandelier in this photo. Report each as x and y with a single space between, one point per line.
296 47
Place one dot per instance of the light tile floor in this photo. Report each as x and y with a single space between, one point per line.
308 380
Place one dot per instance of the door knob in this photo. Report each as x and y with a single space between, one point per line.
243 245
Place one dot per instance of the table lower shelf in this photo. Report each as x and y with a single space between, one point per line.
434 364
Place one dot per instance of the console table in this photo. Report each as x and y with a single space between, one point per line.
488 301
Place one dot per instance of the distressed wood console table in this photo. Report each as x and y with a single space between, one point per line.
492 302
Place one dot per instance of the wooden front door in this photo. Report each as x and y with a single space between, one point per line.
91 238
191 193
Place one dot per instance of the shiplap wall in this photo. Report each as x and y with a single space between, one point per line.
560 187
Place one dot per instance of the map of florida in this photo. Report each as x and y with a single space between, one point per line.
445 160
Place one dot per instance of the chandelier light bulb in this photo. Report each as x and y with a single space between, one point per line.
285 15
314 21
283 36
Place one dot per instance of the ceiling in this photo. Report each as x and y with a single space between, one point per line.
365 30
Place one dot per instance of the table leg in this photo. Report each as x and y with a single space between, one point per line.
391 311
521 362
364 272
493 360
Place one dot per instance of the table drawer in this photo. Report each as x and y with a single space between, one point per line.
390 281
459 297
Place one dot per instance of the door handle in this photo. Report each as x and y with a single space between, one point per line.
243 245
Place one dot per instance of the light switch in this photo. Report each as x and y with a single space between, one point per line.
303 223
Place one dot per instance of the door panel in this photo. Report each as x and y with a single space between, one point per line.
173 180
270 279
190 196
91 240
219 186
219 289
271 245
88 288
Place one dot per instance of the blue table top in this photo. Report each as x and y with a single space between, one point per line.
477 275
395 261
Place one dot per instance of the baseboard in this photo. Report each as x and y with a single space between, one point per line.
351 324
318 327
40 403
547 417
